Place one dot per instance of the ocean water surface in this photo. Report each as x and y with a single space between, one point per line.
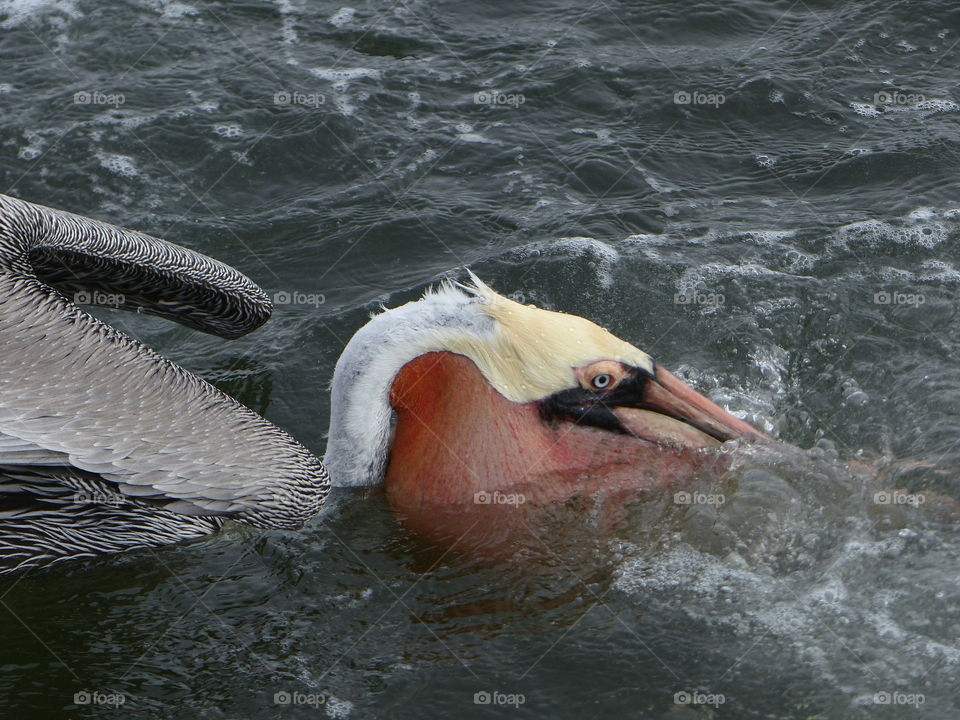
763 195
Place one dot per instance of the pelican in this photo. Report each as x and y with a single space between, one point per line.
105 445
466 400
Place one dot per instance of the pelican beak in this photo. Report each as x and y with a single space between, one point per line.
656 407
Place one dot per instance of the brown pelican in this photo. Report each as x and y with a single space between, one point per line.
466 400
104 444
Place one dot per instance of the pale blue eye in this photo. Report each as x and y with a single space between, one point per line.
602 381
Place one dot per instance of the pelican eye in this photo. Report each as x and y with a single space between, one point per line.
603 375
602 381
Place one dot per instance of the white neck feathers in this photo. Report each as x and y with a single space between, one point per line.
361 419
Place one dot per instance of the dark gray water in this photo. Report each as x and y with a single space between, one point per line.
795 162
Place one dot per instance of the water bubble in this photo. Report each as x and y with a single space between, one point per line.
857 399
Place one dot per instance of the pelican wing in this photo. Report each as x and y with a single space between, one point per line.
77 395
87 258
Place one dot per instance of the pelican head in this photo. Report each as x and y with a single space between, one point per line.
466 391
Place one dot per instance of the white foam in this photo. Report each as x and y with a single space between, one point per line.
123 165
775 306
925 107
602 134
287 29
413 122
477 138
176 10
866 109
683 566
757 403
643 239
937 105
228 131
337 708
34 147
125 118
770 238
465 133
341 80
826 619
19 11
705 274
426 157
919 231
922 213
343 16
938 270
604 256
